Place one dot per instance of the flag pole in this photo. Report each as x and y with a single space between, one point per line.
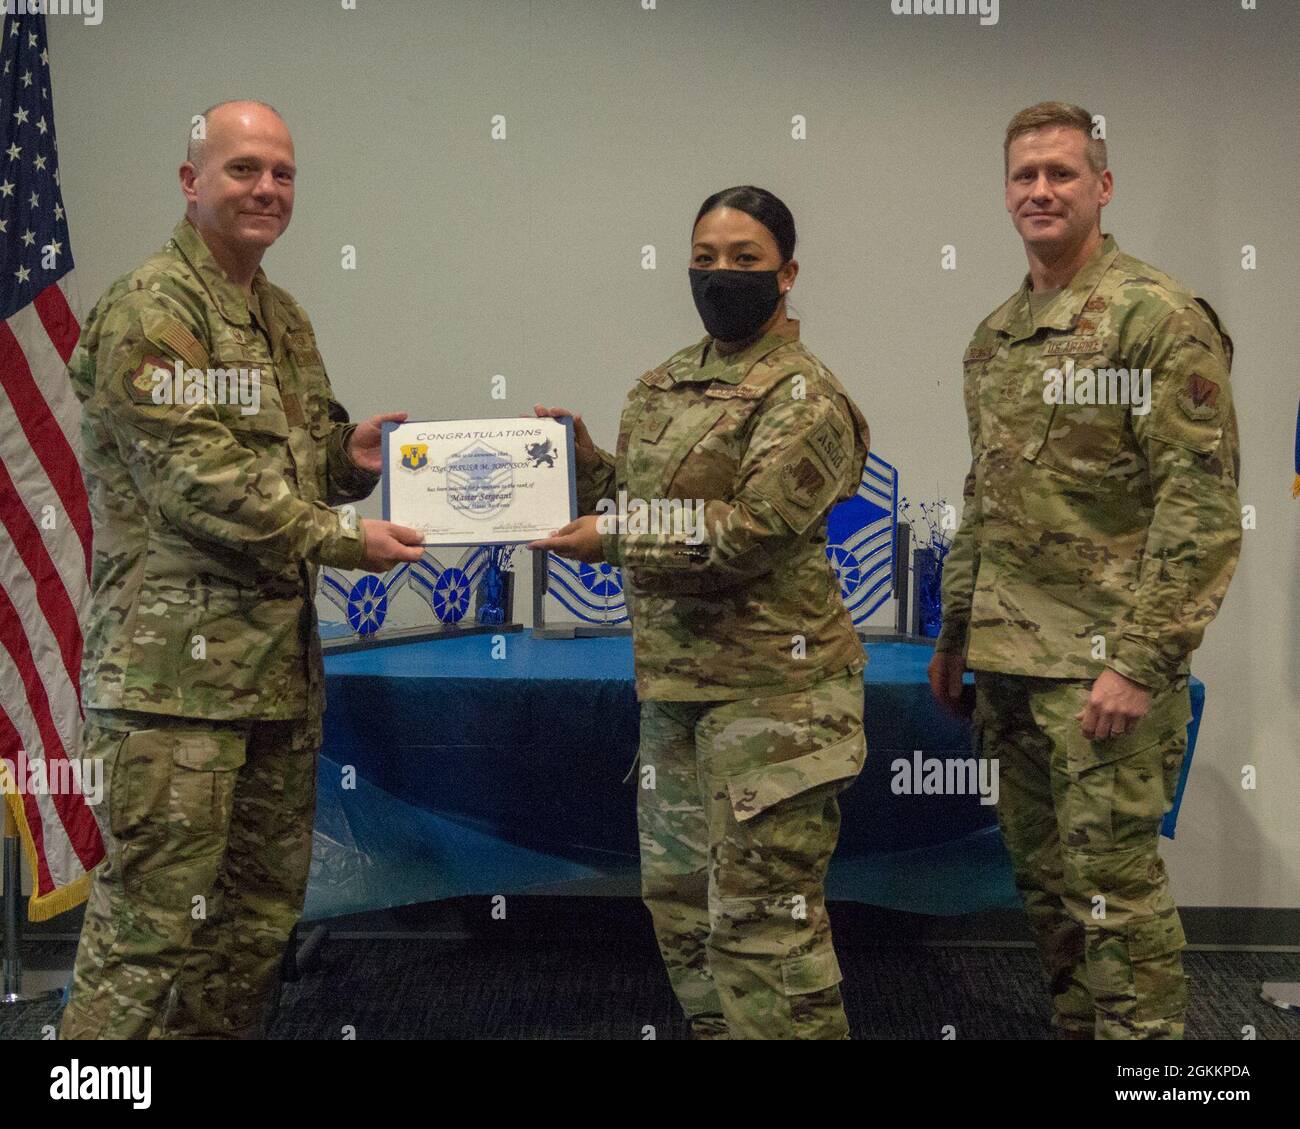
11 970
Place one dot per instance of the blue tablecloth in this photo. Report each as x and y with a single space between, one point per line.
476 774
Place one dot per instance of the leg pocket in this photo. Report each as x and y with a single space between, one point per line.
773 768
1136 977
758 789
812 990
202 780
1156 948
1116 791
813 972
171 797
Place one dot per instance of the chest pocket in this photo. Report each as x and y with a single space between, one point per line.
975 374
996 392
659 445
256 416
311 385
1084 440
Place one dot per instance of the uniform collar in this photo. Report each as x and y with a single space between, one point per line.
226 296
1014 316
734 367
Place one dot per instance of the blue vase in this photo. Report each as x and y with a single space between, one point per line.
927 567
492 589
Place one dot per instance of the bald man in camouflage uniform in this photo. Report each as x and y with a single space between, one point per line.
749 672
1101 528
202 677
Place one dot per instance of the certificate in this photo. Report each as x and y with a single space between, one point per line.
480 481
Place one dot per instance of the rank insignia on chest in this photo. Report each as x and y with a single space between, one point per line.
1094 305
733 392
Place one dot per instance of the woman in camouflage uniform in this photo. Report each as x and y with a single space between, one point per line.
748 667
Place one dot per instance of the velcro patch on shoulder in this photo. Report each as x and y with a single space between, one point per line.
154 372
978 353
1199 398
802 482
656 378
733 392
826 443
173 336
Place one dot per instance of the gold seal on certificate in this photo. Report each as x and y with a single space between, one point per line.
480 481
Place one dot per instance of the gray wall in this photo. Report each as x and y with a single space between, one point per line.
523 256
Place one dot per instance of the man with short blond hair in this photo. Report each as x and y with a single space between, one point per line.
202 680
1049 114
1100 531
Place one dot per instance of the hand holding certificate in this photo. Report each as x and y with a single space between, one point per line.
481 481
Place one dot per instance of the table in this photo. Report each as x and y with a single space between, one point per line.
449 771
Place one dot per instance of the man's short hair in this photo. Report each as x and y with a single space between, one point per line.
1055 113
194 150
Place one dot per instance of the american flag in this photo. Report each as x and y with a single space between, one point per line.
45 548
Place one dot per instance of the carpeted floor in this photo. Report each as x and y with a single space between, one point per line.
596 975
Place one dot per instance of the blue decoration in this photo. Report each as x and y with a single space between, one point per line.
451 595
447 589
601 579
932 533
1295 485
848 569
927 570
860 540
593 593
367 605
491 589
860 547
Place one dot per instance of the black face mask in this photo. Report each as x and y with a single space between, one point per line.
733 304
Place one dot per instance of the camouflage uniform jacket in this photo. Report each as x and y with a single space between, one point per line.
768 441
1087 519
209 520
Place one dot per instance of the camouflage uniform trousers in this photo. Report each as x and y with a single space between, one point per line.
736 834
208 832
1081 820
